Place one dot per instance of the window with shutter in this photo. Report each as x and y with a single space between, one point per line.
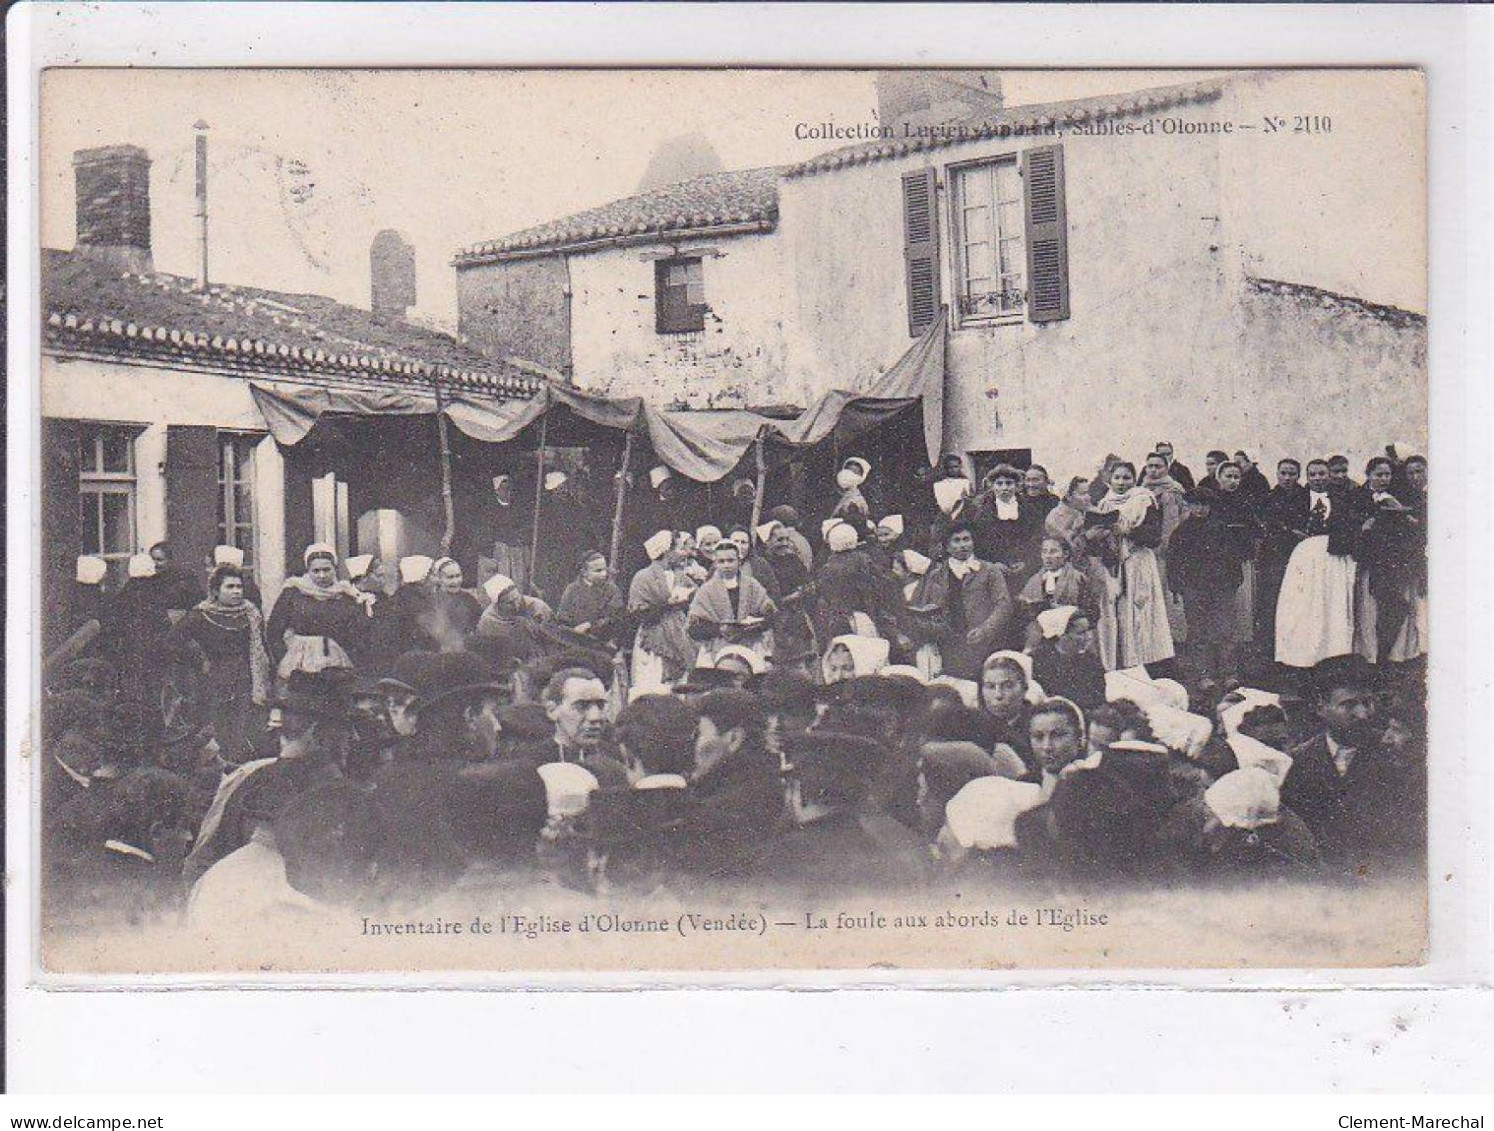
921 248
191 494
1047 234
106 490
679 295
236 495
989 247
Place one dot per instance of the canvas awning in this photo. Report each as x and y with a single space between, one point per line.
703 446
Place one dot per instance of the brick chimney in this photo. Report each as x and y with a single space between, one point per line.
391 265
113 191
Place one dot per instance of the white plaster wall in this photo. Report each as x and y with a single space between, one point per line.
91 390
158 398
150 486
1341 204
737 360
1149 344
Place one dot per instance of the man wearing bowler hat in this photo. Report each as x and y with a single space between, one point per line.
316 733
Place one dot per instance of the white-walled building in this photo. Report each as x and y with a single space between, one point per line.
1223 264
150 431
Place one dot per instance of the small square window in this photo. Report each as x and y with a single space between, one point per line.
679 290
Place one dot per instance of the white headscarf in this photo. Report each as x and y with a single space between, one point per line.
868 653
1055 622
318 550
568 788
415 568
656 545
496 586
228 555
1244 799
983 815
140 566
91 569
841 537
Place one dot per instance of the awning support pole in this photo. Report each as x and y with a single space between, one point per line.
617 509
448 503
761 486
539 494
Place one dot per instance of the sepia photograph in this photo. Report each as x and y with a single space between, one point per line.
706 519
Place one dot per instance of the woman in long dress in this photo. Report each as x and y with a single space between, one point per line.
1391 552
1315 609
226 636
448 613
319 621
1133 608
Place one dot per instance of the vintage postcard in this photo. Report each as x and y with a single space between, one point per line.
624 521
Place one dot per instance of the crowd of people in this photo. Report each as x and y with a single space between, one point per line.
1149 680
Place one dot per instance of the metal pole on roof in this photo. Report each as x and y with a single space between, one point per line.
539 494
617 509
202 216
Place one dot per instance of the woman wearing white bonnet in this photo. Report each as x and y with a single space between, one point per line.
1246 835
851 655
853 473
659 595
319 621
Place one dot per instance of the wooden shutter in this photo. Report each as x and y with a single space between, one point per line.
1047 234
62 537
300 514
921 248
191 495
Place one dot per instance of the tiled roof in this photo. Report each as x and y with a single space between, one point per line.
746 198
1332 300
91 308
1017 121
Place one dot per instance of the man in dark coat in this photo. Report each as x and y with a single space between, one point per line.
838 842
315 734
1176 468
1363 801
736 798
963 605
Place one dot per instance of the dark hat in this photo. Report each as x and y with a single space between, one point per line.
784 514
503 650
407 672
1202 496
526 722
786 690
701 681
71 709
322 694
833 765
1344 671
456 677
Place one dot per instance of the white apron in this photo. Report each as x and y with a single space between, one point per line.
1315 611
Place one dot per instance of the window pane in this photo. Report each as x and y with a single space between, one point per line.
118 450
119 535
88 524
